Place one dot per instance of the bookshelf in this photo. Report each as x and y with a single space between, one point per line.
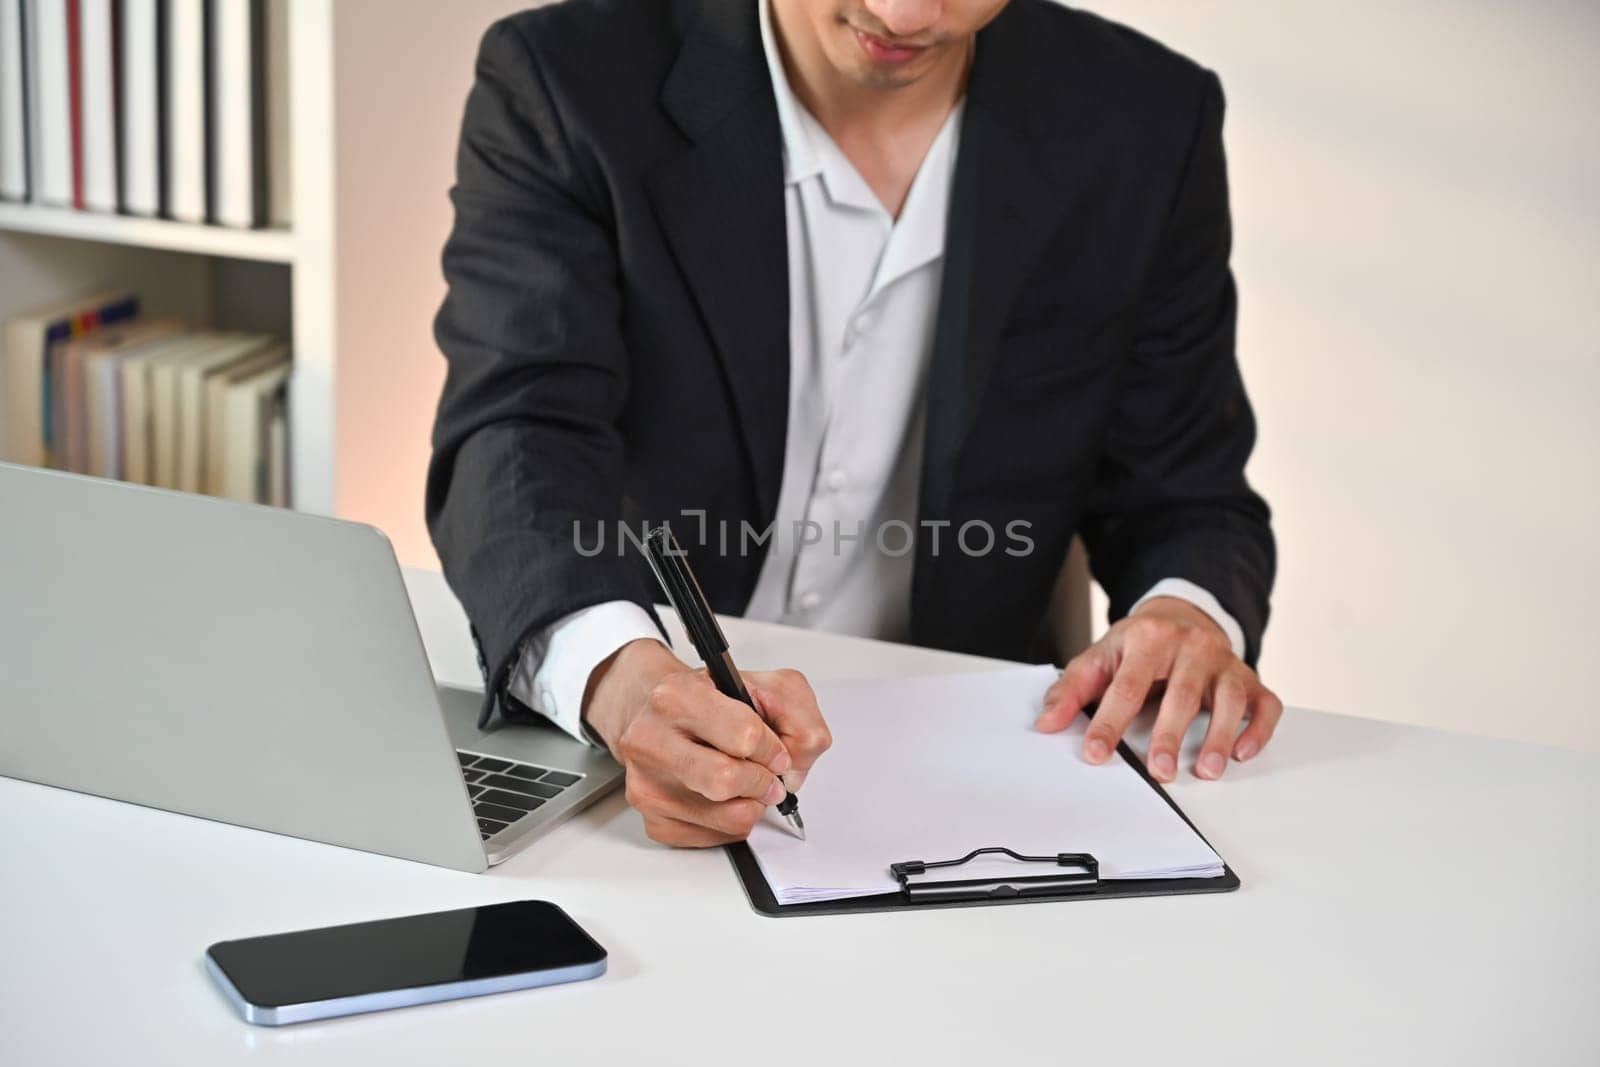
267 246
375 106
274 280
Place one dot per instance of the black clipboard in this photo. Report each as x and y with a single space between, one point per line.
1061 876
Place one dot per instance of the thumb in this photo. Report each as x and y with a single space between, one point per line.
787 702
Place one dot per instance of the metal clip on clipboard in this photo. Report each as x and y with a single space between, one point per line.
1081 876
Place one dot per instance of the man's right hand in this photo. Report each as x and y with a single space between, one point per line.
701 767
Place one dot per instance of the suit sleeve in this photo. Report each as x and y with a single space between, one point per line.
1171 499
526 445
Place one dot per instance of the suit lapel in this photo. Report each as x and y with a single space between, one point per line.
1001 214
1008 198
720 205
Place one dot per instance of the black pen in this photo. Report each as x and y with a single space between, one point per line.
683 591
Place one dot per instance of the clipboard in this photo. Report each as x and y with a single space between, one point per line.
936 882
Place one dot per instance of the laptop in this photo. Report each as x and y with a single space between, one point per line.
256 666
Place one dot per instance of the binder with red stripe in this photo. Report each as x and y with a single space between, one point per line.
75 97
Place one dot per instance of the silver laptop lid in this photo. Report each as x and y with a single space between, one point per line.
247 664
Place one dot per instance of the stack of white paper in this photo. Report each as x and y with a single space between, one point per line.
933 768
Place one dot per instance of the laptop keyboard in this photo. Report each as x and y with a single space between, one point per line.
503 790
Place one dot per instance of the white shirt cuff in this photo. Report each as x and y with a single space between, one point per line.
1183 589
553 671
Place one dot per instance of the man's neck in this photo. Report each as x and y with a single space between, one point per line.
885 132
848 110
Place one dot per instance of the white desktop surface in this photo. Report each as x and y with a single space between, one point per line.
1410 896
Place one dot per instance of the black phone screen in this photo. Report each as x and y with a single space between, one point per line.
407 953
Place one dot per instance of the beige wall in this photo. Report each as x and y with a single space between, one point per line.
1419 256
1418 250
404 70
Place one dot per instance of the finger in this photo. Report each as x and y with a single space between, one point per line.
649 741
680 834
730 818
718 777
730 726
1228 703
1082 682
1186 688
657 751
1126 694
1265 711
788 703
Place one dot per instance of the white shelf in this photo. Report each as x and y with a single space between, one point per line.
269 246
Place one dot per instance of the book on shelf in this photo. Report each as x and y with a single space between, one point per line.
249 109
279 184
216 407
51 122
139 115
13 102
27 343
277 465
97 105
100 451
175 109
170 405
246 444
237 131
138 403
190 439
185 79
73 403
91 388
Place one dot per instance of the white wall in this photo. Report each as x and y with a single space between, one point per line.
1416 192
1418 249
404 68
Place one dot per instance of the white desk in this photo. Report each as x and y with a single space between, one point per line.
1409 897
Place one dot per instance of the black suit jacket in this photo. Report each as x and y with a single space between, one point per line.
617 322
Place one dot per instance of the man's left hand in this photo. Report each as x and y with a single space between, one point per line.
1172 641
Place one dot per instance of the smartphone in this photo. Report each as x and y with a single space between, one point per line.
394 963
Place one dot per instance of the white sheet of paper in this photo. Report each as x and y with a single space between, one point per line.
931 768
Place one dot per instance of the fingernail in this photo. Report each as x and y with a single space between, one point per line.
1212 765
794 780
1246 749
1042 722
1163 766
781 762
774 793
1096 750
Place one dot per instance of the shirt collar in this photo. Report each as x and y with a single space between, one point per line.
808 151
800 160
919 233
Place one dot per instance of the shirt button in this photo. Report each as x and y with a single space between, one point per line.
809 602
864 320
835 480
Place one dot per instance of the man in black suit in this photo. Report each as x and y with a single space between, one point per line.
947 276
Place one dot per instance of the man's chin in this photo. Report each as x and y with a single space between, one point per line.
886 80
870 75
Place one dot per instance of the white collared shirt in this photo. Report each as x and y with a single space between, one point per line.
863 300
863 289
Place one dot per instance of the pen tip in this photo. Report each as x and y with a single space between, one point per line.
799 824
